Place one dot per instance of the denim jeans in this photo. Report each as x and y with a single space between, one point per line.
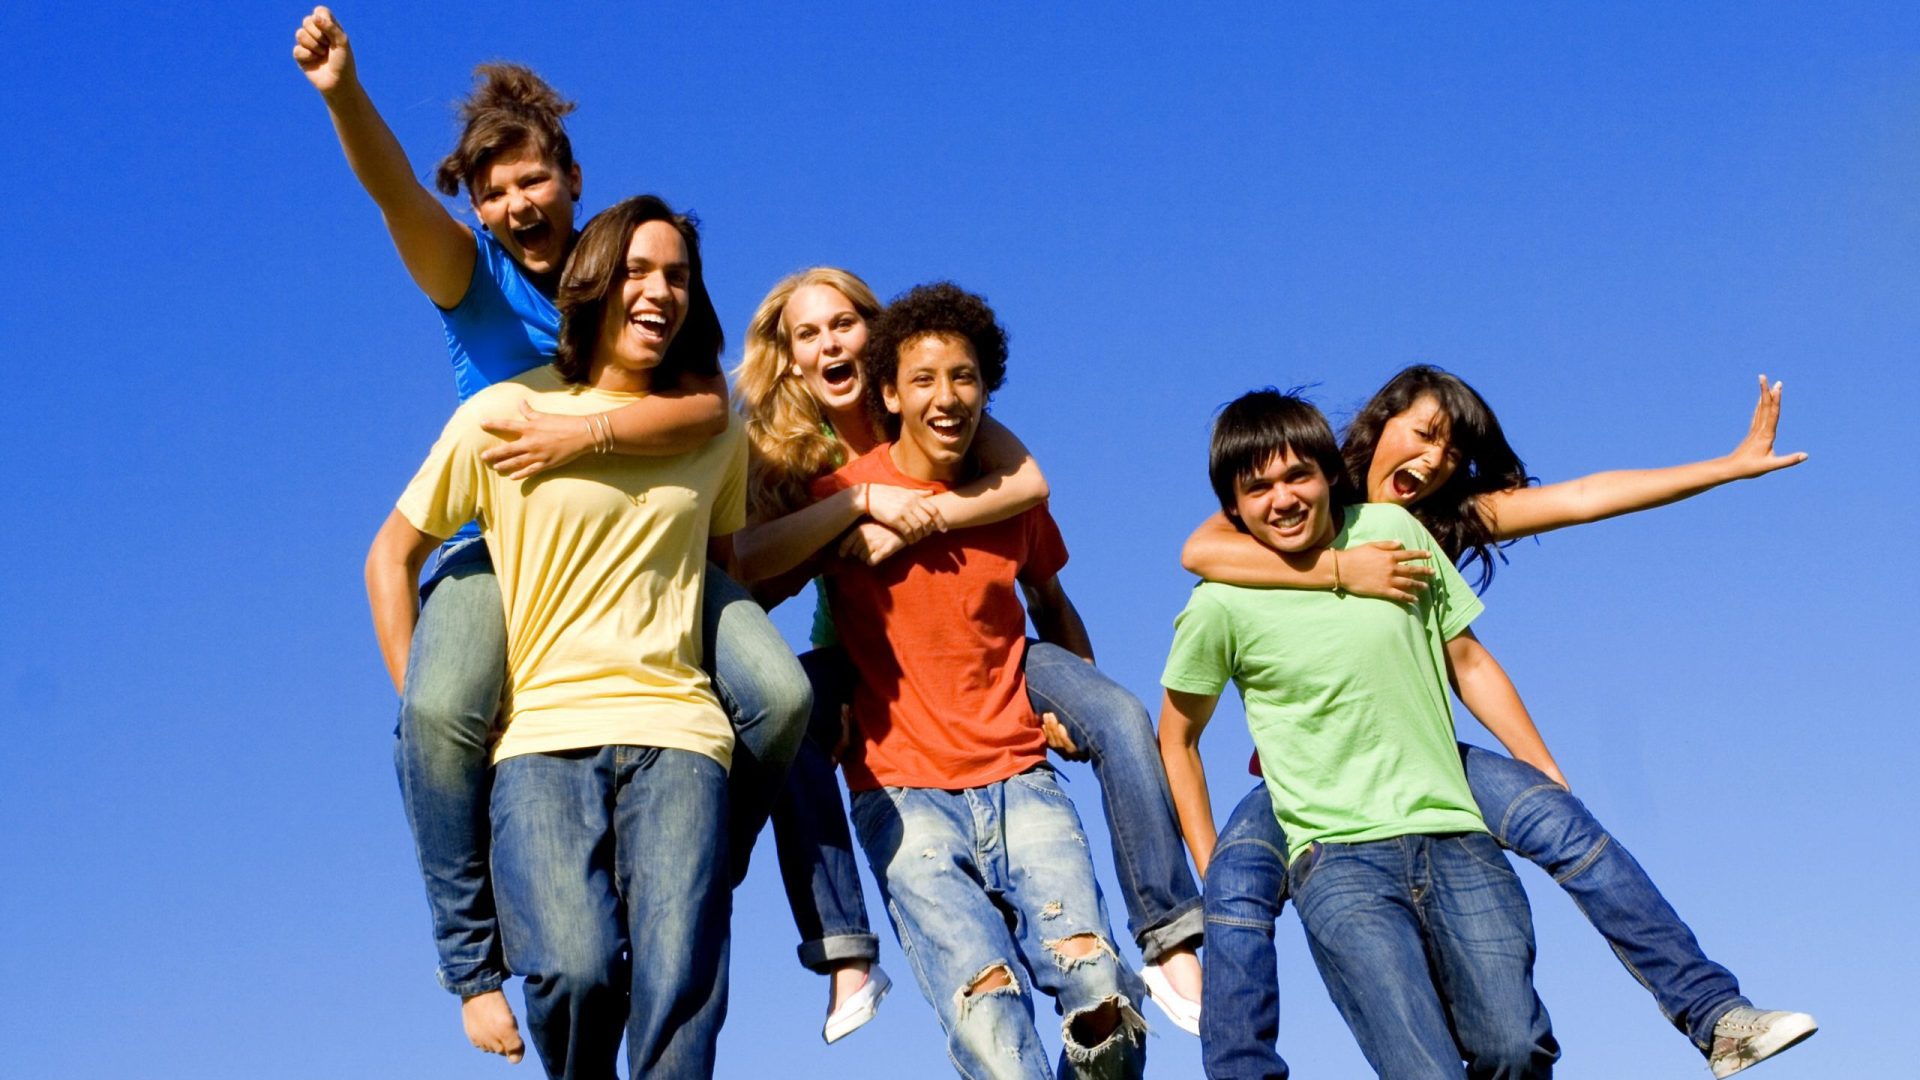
810 833
816 858
609 867
1426 946
1163 903
997 880
1537 820
1246 889
455 673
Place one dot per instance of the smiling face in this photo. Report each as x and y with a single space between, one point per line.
1286 504
827 336
1414 456
937 394
644 312
526 202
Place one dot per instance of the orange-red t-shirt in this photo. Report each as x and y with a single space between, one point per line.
938 636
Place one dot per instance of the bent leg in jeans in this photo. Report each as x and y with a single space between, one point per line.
1542 822
811 837
603 854
455 670
1163 903
991 890
765 693
1246 888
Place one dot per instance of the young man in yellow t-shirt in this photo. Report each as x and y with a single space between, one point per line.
609 793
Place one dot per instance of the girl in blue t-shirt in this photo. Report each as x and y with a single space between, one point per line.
493 287
1429 442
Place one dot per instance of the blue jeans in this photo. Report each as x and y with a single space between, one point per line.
1529 815
609 867
1426 946
455 673
1240 997
997 880
1163 903
810 832
816 858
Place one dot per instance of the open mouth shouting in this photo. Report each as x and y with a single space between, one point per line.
840 376
651 327
1407 482
951 431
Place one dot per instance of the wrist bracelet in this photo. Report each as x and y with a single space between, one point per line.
1336 570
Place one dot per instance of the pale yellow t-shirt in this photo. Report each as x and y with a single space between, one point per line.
601 563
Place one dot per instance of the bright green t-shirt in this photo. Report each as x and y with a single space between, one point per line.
1346 696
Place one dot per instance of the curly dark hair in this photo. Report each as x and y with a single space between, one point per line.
593 275
1487 462
943 309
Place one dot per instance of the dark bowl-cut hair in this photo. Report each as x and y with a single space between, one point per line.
593 274
509 110
1261 425
1486 462
941 309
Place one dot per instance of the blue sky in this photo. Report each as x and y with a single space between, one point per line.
1607 220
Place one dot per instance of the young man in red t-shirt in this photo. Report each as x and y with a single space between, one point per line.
979 853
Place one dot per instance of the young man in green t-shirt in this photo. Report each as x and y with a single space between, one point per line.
1418 925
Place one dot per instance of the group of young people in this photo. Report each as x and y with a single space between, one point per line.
597 719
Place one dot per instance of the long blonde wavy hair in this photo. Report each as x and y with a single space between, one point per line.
788 444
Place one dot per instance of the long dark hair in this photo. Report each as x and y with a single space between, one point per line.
593 273
1487 462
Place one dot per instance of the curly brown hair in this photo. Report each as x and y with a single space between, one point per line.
942 309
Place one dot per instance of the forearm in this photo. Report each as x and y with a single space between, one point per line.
1489 694
1527 511
772 548
392 575
1219 552
1011 482
1187 779
1058 622
671 422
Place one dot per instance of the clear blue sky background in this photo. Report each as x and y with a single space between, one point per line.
1608 220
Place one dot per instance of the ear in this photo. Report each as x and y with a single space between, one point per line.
892 398
573 180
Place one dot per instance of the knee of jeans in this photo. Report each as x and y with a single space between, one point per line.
996 978
788 703
1103 1028
1546 825
574 972
1119 725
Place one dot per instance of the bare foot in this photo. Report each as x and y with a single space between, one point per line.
845 981
491 1027
1182 969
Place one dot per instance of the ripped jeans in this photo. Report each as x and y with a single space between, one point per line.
994 884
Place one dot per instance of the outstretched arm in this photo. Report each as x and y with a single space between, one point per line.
1183 717
1526 511
437 249
1486 691
393 573
1219 552
675 421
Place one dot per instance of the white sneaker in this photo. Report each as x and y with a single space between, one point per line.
1747 1036
854 1012
1184 1012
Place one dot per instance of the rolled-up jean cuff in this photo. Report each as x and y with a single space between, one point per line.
478 983
1183 927
1702 1034
824 954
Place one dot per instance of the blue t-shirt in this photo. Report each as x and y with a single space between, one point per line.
501 328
